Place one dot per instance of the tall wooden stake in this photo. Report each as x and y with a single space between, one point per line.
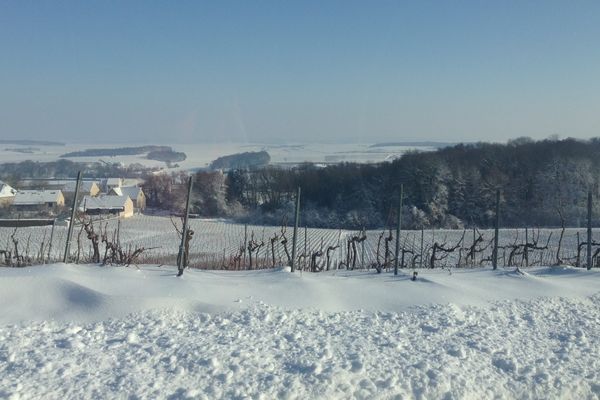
305 246
526 249
473 252
119 232
398 228
496 228
295 237
245 242
184 230
589 230
362 252
422 243
578 259
72 221
51 239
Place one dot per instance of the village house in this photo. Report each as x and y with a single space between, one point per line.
135 193
87 188
120 206
7 194
37 199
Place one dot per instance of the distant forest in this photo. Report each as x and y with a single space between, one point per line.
158 153
250 159
14 172
542 183
117 151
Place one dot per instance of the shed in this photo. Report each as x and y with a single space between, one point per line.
89 188
121 206
38 198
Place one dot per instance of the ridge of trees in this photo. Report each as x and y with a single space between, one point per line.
249 159
14 172
118 151
543 183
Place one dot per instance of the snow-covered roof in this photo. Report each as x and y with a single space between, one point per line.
86 186
131 191
131 181
113 181
104 202
6 190
35 197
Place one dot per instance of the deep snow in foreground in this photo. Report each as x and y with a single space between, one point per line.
93 332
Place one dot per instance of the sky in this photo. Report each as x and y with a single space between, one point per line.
298 71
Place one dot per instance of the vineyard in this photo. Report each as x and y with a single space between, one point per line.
219 244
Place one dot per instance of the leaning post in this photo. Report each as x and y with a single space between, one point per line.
589 230
295 237
398 228
305 246
184 230
51 239
422 243
473 252
496 229
72 221
526 249
245 243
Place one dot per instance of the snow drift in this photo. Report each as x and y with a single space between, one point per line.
92 332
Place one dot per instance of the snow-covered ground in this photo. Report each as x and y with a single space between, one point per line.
108 332
201 155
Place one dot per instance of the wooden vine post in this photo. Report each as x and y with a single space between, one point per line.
295 237
184 231
589 230
496 231
72 221
398 228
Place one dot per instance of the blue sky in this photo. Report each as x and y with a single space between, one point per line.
358 71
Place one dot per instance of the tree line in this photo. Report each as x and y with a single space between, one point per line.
543 183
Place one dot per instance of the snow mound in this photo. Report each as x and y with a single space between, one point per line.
92 293
97 332
55 299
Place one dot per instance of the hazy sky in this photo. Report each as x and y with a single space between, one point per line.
252 71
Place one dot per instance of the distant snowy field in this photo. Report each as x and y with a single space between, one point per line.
200 155
106 332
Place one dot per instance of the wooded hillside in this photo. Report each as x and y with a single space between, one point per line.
543 183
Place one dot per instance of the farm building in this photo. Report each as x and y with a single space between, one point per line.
7 193
121 206
88 188
35 199
135 193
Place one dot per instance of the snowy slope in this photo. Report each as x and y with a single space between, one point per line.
90 332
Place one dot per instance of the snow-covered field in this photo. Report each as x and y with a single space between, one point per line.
107 332
200 155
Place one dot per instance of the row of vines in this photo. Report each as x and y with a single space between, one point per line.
218 244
